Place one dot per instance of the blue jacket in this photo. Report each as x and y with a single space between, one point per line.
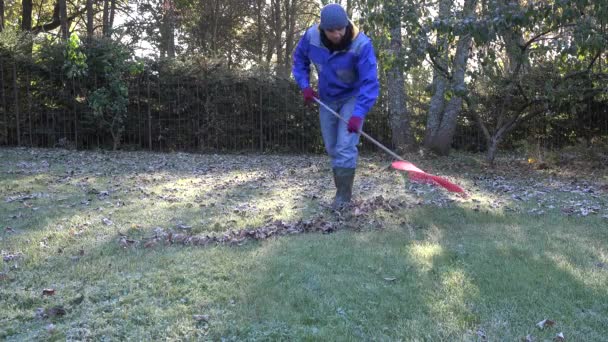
342 74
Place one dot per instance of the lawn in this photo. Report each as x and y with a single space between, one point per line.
150 246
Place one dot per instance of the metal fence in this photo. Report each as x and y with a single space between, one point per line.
241 113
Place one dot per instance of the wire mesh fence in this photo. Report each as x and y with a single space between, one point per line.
215 111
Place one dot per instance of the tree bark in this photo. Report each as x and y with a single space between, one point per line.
441 139
260 37
1 15
439 86
170 28
112 14
16 99
290 34
63 19
278 31
105 18
4 109
90 19
399 116
26 15
349 8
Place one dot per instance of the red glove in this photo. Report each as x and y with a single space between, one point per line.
354 124
309 95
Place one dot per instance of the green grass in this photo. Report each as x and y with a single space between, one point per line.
435 268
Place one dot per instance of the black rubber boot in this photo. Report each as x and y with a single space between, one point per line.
343 178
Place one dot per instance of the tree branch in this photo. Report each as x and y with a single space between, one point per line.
439 67
56 21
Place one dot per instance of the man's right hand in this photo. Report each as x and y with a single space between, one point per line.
309 95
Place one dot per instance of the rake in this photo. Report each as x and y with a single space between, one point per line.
414 173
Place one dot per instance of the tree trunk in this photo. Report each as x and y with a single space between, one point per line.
290 35
399 116
1 15
105 19
216 17
26 15
170 28
260 43
349 8
90 19
437 103
4 109
16 99
63 18
112 14
491 154
441 140
278 31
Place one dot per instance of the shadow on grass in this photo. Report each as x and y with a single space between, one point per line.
457 277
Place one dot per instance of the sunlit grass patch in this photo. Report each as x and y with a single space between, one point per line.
408 262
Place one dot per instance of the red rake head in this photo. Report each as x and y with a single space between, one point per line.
418 175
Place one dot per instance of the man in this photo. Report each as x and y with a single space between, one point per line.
348 83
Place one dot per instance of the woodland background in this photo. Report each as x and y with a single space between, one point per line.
214 75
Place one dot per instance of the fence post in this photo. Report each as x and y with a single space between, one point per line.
4 111
261 122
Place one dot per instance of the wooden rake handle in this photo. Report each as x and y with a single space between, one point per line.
365 135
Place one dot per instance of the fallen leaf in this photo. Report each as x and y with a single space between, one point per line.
3 276
124 242
55 311
48 292
9 230
107 221
528 338
77 300
545 322
201 318
50 328
40 313
559 337
390 279
52 312
151 243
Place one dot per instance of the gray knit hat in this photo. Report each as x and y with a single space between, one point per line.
333 16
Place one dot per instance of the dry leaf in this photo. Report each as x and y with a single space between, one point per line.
151 243
528 338
559 337
55 311
52 312
390 279
201 318
125 243
545 322
48 292
107 221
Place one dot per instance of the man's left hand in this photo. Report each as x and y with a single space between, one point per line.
354 124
